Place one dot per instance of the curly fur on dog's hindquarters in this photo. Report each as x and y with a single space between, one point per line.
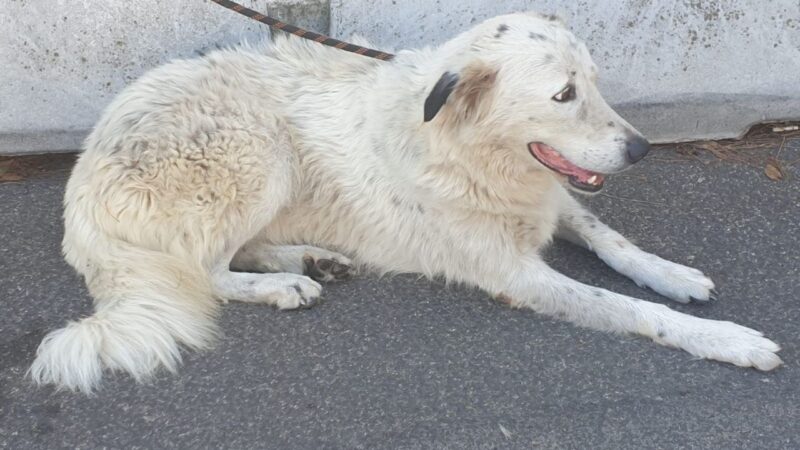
150 218
155 307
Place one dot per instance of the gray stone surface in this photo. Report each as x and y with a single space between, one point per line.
407 363
677 70
62 62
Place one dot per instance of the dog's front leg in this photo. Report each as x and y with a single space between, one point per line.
536 286
675 281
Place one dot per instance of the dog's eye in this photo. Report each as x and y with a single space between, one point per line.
566 94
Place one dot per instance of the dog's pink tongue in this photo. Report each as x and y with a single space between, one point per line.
552 159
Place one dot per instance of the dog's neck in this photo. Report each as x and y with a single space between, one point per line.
491 177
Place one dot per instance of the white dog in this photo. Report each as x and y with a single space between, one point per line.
230 176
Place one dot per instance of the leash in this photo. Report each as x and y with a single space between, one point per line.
305 34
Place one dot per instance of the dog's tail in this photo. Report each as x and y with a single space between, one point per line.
148 305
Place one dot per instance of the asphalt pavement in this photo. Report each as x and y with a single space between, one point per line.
404 362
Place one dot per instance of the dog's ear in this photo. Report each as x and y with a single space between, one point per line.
469 88
438 96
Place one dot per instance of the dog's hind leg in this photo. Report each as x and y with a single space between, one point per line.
675 281
536 286
284 290
319 264
149 226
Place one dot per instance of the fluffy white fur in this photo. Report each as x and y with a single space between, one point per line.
246 157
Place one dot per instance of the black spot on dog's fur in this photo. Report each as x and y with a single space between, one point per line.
537 36
611 124
395 201
501 29
416 207
551 17
661 333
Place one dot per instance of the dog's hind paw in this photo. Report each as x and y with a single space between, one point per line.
302 294
333 267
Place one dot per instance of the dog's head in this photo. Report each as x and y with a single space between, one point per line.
525 83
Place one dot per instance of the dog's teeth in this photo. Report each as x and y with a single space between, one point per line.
593 179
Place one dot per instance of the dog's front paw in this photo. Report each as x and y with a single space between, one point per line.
675 281
722 341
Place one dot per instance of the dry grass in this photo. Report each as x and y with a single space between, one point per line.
762 148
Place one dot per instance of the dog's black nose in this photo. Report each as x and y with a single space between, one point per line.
636 147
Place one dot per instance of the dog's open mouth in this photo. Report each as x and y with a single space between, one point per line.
578 177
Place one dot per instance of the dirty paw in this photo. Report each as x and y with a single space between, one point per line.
303 294
332 268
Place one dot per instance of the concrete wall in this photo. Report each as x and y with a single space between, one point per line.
62 61
677 69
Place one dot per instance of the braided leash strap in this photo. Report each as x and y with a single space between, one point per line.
305 34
